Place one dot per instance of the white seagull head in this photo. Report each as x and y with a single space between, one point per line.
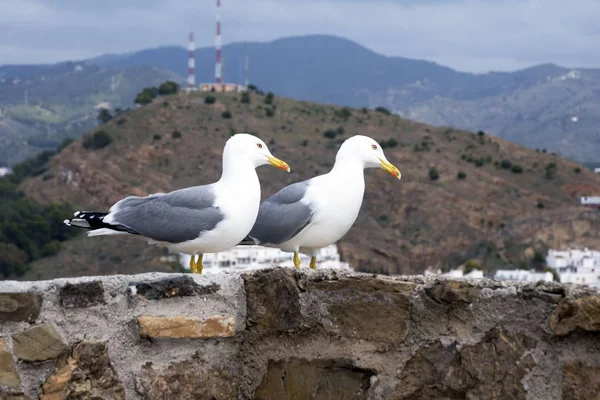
246 147
367 151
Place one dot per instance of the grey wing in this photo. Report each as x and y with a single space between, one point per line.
173 217
282 216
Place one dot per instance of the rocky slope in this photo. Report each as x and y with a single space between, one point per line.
493 214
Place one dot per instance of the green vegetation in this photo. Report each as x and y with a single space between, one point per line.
517 169
104 116
269 98
226 114
146 96
383 110
577 170
245 98
330 134
550 170
344 113
98 140
28 230
505 164
480 133
167 88
210 99
433 174
269 112
176 134
461 175
471 265
391 142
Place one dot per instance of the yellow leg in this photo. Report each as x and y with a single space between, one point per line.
192 264
199 265
313 262
296 260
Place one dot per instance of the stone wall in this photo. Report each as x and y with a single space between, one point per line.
288 334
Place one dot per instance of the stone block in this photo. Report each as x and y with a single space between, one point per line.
20 307
186 380
187 327
492 368
9 376
42 342
272 300
171 287
452 292
580 381
316 379
82 295
361 307
83 372
571 314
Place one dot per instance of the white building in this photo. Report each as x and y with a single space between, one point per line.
455 273
576 266
522 275
5 171
245 258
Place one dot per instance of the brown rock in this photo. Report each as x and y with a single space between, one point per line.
20 307
8 395
187 327
580 381
171 287
82 295
41 342
366 308
83 372
8 373
186 380
319 379
272 300
492 368
452 291
571 314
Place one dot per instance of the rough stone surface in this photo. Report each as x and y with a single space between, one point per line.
572 314
20 307
365 308
451 292
9 376
39 343
328 333
492 368
321 379
273 300
82 295
83 372
171 287
186 327
580 381
186 380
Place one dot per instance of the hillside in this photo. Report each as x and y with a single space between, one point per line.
62 101
533 107
494 213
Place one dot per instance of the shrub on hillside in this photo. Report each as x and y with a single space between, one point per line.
383 110
517 169
505 164
433 174
176 134
471 265
480 133
210 99
269 98
226 114
577 170
461 175
550 170
245 98
330 134
146 96
104 116
344 113
269 112
167 88
98 140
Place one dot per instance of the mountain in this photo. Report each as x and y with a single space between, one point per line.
40 105
462 195
545 106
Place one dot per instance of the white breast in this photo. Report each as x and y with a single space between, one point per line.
336 201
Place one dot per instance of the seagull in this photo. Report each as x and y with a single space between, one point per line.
194 220
307 216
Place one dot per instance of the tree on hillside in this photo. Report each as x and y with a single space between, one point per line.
104 116
146 96
168 87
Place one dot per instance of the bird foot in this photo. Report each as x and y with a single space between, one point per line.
313 262
296 260
196 265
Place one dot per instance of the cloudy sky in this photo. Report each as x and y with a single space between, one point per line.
467 35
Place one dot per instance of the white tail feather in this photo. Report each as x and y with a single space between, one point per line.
79 222
106 231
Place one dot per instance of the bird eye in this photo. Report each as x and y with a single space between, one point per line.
374 147
259 145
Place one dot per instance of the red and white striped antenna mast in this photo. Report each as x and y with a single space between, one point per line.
191 63
218 64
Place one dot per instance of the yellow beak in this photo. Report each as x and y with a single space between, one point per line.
276 162
390 169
